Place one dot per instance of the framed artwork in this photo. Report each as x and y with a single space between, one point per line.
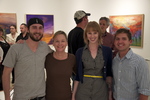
48 26
7 19
132 22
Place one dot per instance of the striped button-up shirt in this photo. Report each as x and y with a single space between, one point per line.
131 77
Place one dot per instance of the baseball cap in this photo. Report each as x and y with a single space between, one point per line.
35 21
80 14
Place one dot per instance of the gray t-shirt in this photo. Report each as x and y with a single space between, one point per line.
29 70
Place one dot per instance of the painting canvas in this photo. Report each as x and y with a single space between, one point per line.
7 19
132 22
48 26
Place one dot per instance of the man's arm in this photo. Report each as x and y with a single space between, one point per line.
143 97
6 82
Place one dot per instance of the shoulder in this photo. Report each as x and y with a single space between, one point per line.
17 34
71 55
80 50
137 58
8 35
104 48
16 47
76 30
110 35
43 44
49 55
20 35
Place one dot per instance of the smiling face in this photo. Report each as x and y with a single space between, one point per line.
92 37
60 43
122 42
92 33
103 24
36 32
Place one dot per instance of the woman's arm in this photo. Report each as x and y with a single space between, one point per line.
74 89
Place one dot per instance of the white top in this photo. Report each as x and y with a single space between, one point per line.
10 39
1 54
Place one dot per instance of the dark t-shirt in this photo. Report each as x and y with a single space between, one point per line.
75 40
58 77
21 37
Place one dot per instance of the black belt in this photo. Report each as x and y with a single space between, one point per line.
37 98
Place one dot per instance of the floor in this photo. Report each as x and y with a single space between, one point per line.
2 93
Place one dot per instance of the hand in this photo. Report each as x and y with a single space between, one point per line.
109 80
110 97
20 41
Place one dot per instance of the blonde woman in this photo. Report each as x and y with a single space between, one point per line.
59 67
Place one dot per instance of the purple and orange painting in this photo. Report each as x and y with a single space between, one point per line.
132 22
7 19
48 26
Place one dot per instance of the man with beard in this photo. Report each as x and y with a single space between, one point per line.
24 32
28 60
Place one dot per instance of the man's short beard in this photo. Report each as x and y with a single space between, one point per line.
36 40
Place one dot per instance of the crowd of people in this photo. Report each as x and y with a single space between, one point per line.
102 66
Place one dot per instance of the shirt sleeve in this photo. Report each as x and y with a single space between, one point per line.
11 57
142 76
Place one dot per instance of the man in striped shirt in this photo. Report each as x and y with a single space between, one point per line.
131 72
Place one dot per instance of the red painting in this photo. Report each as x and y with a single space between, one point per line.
132 22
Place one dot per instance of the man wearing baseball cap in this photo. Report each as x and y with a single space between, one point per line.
75 36
28 61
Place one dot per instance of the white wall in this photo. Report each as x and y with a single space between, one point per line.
63 11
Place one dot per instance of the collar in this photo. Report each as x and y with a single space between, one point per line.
105 34
87 47
128 55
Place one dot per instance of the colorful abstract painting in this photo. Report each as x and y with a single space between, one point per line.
132 22
7 19
48 26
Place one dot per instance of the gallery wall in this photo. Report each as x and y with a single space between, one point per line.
63 11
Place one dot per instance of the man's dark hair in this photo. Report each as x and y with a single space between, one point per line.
14 26
78 21
123 30
24 24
